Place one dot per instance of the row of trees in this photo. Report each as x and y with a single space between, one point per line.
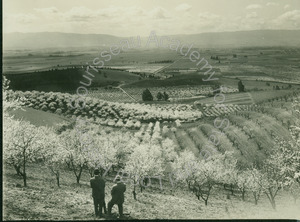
280 171
147 154
109 113
85 146
147 96
241 86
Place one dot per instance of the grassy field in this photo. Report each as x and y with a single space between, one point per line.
42 200
252 85
69 79
255 67
38 118
19 61
107 76
232 98
263 96
247 97
180 80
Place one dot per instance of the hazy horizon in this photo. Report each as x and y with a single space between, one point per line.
133 17
158 34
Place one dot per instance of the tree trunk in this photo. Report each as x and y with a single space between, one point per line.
68 165
57 178
24 169
205 202
107 171
295 199
134 193
255 195
24 179
91 172
189 185
231 189
243 195
79 175
18 170
271 198
273 203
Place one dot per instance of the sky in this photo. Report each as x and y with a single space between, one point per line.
139 17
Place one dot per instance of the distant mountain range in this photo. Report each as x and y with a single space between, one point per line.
55 40
258 38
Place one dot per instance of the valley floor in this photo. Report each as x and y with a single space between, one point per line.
43 200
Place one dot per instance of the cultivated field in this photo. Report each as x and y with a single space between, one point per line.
247 132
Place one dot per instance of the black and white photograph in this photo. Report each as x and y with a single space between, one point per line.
150 109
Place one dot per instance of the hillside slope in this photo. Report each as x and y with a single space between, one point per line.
38 117
42 200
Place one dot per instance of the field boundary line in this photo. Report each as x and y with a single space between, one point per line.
251 97
120 87
127 94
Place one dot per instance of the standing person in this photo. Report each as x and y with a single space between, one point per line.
117 196
98 193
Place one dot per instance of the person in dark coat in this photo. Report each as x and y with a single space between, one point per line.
117 196
98 192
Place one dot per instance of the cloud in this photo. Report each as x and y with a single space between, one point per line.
75 14
79 14
20 18
49 10
183 7
252 22
286 7
111 11
272 4
119 14
49 13
252 15
290 19
137 20
135 11
290 16
253 6
208 16
159 13
121 18
207 20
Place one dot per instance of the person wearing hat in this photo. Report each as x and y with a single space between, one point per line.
117 196
98 193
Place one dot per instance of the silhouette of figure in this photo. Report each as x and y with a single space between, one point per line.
98 193
117 196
